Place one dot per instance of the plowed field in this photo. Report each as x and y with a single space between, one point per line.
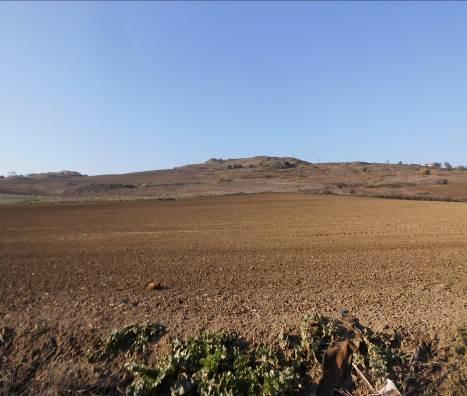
254 264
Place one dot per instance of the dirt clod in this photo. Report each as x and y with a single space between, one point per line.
154 286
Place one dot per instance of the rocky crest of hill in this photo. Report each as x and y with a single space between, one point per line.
61 174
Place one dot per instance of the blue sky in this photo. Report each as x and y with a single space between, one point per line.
117 87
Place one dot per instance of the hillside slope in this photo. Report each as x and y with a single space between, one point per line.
249 175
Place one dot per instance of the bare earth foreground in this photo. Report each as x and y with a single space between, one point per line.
254 264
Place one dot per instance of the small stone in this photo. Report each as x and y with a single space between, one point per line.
154 286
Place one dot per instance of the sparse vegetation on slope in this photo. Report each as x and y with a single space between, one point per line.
251 175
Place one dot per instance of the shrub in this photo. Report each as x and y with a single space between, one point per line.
214 364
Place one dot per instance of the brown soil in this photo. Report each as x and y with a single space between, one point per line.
254 264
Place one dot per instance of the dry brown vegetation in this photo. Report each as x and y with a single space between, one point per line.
252 264
248 175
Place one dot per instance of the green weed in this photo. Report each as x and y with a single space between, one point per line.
133 338
215 364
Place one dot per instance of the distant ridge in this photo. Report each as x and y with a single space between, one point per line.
218 176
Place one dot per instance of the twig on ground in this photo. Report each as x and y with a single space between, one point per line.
363 378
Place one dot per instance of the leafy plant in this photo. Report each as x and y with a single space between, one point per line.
382 356
317 333
133 338
214 364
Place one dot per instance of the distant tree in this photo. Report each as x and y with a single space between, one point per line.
436 164
447 165
11 174
400 162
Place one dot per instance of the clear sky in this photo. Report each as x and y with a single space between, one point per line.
117 87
